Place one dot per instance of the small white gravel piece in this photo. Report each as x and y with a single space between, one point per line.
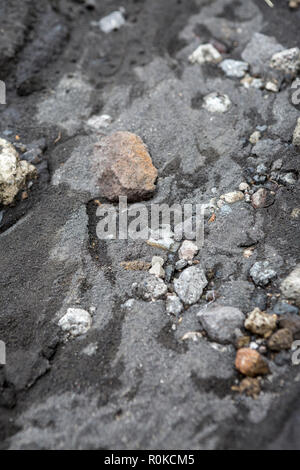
217 103
112 22
205 53
76 322
234 68
188 250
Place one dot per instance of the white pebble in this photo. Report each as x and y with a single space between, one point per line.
205 53
76 322
112 22
217 103
234 68
188 250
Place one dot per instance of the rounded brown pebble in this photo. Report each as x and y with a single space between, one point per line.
262 198
281 340
124 167
251 363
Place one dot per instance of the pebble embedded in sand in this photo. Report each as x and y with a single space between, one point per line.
13 172
251 363
124 167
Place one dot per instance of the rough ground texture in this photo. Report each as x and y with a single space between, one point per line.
131 381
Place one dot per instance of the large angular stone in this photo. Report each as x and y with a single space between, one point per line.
124 167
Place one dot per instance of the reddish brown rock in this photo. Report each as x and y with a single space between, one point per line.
251 363
124 167
281 340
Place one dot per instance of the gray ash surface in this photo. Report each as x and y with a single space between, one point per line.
131 382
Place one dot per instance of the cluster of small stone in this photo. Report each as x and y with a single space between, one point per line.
181 286
180 280
259 188
124 168
282 63
273 333
268 333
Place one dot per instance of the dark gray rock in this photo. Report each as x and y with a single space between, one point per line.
190 285
262 273
221 323
281 308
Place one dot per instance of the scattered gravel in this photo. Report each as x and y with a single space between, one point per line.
249 386
71 85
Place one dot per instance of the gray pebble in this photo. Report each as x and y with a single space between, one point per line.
190 284
262 274
221 322
282 308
